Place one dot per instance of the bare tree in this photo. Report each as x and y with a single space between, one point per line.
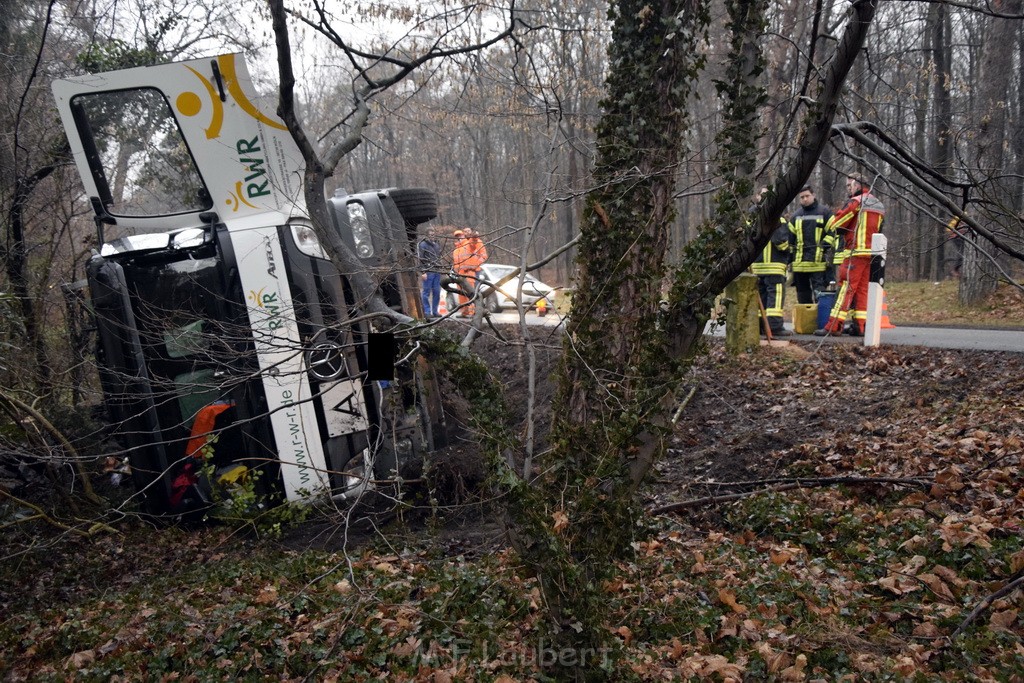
375 73
979 276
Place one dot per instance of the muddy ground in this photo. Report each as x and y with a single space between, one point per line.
833 577
789 410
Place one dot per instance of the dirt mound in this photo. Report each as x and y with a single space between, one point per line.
778 412
753 416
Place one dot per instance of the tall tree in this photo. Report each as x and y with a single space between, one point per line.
980 273
625 349
941 153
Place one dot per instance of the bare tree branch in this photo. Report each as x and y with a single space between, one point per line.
777 485
403 68
1013 584
94 527
909 170
986 10
20 406
286 87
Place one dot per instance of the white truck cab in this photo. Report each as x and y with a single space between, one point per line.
226 344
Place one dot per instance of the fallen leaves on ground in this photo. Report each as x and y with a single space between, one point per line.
835 583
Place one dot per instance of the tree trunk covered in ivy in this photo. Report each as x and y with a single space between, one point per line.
636 323
616 363
616 358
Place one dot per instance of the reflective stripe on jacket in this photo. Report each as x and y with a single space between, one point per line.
808 242
839 255
775 256
858 221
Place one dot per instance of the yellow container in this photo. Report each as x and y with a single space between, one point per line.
805 318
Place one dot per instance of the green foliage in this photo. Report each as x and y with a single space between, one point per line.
475 383
241 505
196 606
113 54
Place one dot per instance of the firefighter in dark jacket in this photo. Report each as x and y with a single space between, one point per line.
770 269
810 246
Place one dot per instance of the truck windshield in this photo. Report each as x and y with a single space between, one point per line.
137 154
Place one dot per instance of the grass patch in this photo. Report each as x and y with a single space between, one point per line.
935 303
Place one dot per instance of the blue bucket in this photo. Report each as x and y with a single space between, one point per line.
825 302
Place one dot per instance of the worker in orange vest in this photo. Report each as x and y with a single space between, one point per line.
469 255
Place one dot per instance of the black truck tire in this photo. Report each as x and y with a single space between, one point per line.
416 204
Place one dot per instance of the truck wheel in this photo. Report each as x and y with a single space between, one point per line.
416 204
357 481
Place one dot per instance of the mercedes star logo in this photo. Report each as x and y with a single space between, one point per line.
326 361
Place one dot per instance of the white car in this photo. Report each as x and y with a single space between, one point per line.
505 295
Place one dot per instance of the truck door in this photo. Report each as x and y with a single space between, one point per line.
158 146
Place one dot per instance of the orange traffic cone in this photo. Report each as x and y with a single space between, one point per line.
442 306
886 323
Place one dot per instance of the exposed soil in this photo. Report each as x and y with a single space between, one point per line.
468 523
783 410
752 416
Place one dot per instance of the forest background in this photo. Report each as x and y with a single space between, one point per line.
505 135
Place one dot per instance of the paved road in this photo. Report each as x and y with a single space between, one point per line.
935 337
510 317
948 338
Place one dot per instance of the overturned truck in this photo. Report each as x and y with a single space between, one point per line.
230 349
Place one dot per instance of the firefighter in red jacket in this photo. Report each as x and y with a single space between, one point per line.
856 223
